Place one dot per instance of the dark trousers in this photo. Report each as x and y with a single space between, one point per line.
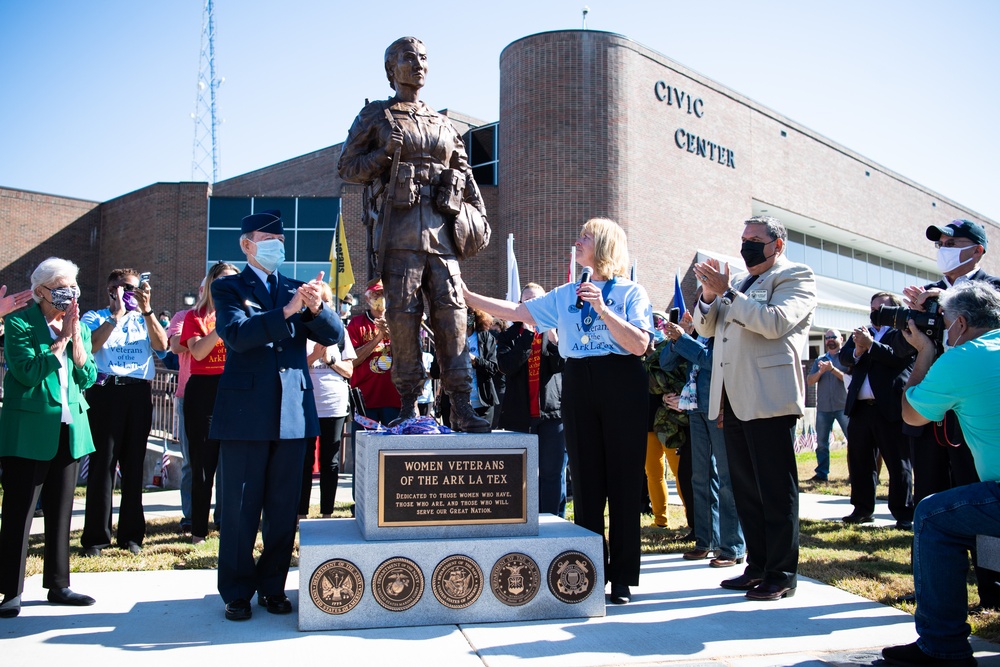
199 403
869 434
331 433
23 481
765 487
120 419
605 400
552 460
258 476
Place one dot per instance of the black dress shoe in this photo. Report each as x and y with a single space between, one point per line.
275 604
856 517
744 582
11 606
66 596
770 592
620 594
91 552
904 525
238 610
132 547
821 479
911 654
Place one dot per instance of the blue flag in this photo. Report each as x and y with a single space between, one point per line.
678 296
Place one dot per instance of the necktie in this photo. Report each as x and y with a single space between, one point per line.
747 283
272 287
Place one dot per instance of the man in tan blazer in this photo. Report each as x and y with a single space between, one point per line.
760 322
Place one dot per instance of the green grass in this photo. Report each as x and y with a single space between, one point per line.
870 562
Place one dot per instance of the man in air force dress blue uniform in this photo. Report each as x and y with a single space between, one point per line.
264 413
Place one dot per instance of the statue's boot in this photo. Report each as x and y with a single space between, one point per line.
464 417
408 409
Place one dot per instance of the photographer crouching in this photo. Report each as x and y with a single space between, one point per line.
965 379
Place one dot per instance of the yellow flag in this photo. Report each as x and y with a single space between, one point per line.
341 273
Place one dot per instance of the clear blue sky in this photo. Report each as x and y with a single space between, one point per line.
97 95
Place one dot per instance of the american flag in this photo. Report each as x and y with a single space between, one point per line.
806 441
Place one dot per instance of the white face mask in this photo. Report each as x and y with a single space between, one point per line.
949 259
947 335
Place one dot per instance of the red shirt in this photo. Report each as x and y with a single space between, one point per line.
196 324
373 375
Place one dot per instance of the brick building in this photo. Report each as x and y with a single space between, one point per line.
591 124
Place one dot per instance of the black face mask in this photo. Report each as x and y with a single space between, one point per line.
753 253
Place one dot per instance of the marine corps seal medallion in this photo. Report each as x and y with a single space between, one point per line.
457 582
571 577
398 584
336 586
515 579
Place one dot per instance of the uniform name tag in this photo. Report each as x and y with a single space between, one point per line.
759 295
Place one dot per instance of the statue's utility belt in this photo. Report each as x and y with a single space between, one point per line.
447 190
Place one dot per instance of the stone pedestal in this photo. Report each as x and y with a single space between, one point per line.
432 540
346 582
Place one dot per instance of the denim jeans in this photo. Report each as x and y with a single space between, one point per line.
716 525
824 425
945 526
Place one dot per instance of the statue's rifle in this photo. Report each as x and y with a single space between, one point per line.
387 206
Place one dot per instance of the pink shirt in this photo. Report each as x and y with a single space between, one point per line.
183 359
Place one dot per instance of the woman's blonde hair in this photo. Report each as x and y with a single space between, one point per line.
610 247
205 304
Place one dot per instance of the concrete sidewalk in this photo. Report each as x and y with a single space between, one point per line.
679 616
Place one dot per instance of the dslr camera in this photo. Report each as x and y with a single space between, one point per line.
929 321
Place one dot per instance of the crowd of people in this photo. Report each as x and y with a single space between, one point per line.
615 392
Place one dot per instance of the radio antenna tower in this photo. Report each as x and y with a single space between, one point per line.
205 156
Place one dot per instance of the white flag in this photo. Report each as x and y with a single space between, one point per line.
513 279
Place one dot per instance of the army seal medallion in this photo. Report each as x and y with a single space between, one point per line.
571 577
336 586
398 584
457 582
515 579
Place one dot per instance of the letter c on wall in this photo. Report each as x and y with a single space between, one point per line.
679 137
657 87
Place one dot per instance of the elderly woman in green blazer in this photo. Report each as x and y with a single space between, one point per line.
44 430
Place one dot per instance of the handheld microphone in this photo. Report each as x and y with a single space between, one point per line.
584 278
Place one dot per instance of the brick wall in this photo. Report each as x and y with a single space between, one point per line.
35 226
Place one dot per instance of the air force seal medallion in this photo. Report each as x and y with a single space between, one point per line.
571 577
515 579
336 586
398 584
457 582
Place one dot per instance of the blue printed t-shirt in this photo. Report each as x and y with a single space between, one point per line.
557 310
127 351
966 379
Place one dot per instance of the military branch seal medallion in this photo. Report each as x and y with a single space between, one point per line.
457 582
571 577
515 579
398 584
336 586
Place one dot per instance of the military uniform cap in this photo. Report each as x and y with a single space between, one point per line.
265 221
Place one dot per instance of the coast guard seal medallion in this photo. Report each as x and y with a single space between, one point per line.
398 584
336 586
515 579
457 582
571 577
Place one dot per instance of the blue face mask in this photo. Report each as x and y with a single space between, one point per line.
270 254
658 336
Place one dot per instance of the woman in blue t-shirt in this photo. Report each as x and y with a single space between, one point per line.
604 390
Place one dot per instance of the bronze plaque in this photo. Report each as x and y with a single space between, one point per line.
571 577
452 487
336 586
457 582
398 584
515 579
